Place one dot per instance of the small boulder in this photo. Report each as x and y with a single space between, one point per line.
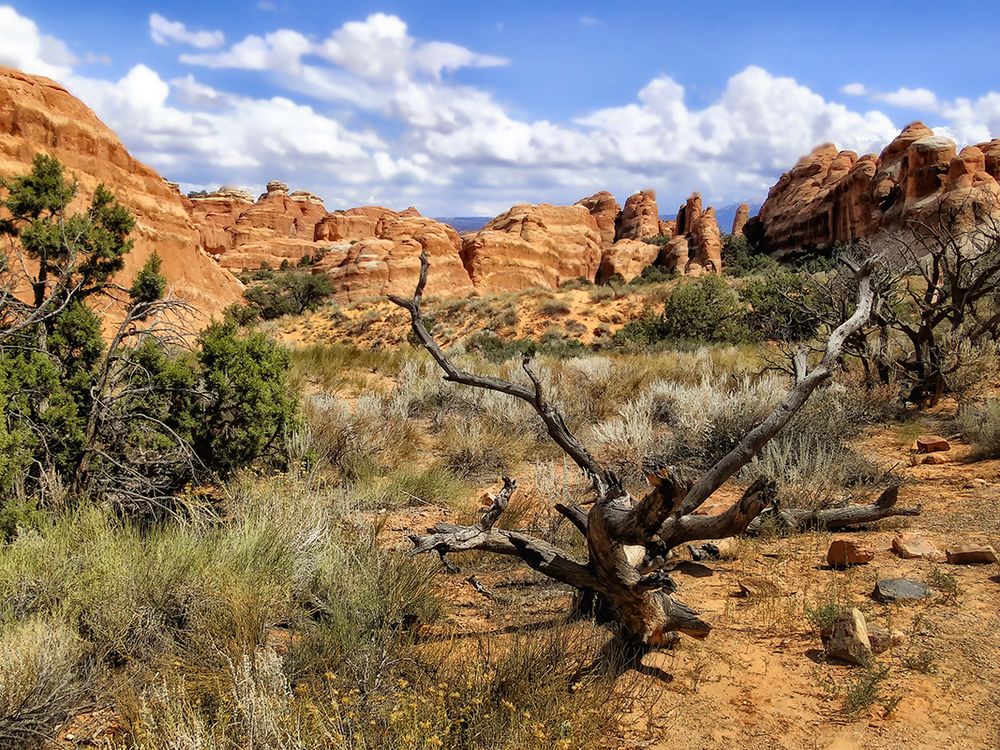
890 590
971 554
847 639
882 639
911 546
844 552
935 459
932 444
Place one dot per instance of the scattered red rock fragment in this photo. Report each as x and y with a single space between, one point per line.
971 554
844 553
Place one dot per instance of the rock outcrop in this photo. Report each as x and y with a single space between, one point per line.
626 258
833 196
533 246
605 210
37 115
696 245
389 262
639 219
362 223
245 234
708 240
740 218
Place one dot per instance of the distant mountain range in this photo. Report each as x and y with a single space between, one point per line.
465 224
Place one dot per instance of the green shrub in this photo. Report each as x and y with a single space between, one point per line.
705 309
288 292
136 418
659 240
248 405
781 306
740 258
701 310
654 275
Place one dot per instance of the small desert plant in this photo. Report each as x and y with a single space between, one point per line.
529 693
920 660
979 424
42 679
434 485
823 614
375 431
485 451
601 294
865 690
946 583
554 307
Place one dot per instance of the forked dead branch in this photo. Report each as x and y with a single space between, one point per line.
628 538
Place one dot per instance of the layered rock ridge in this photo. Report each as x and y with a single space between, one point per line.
37 115
832 196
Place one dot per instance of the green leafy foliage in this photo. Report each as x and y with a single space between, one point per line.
705 309
740 258
72 406
82 250
248 404
149 284
288 292
781 306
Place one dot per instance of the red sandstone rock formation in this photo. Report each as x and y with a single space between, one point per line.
362 223
627 258
676 255
831 196
708 242
533 245
38 115
241 234
692 212
740 218
389 263
639 218
605 210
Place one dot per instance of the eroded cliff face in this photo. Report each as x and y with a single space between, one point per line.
534 246
833 196
242 233
387 260
37 115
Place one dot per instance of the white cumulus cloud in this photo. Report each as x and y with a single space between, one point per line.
370 112
164 31
24 46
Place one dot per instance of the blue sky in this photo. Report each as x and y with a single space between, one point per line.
467 108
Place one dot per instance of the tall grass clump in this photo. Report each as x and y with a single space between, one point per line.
195 597
371 434
523 693
43 679
812 460
979 423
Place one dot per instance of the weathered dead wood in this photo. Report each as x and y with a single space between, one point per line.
799 519
553 420
806 384
635 588
537 553
731 522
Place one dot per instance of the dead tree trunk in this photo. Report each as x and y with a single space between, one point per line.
636 588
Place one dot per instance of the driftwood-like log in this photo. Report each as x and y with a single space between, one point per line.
831 519
634 588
